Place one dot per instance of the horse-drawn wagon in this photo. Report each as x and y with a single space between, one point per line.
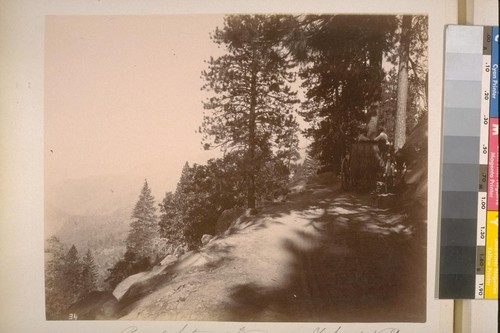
367 165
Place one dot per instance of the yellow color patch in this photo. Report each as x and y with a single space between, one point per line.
491 269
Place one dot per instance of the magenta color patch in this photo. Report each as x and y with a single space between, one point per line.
493 165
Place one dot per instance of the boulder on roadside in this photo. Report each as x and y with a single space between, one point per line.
206 238
123 286
168 260
127 283
250 212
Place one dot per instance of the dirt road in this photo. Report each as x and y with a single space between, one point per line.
322 256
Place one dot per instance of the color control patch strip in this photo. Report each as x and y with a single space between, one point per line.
467 237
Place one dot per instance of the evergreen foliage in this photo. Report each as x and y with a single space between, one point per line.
89 273
252 107
55 300
72 275
170 220
205 191
144 245
418 74
192 211
344 61
342 77
348 81
68 278
144 226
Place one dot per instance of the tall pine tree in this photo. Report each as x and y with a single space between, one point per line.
144 226
68 278
343 78
193 209
72 270
55 300
89 273
412 84
402 101
252 109
142 240
171 220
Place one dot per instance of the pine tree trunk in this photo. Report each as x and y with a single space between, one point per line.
375 57
404 46
251 143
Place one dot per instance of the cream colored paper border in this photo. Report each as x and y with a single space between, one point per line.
21 155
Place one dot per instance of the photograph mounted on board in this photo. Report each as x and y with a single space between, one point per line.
249 168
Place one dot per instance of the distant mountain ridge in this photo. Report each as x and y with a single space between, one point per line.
104 194
91 231
98 195
95 213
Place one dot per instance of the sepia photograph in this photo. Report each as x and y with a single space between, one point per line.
236 167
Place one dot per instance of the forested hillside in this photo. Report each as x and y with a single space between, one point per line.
256 234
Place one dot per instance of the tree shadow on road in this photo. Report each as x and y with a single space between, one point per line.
350 264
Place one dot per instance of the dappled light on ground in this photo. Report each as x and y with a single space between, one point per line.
322 255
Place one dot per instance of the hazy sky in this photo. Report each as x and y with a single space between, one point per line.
122 94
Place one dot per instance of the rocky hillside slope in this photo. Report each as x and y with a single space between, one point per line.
322 255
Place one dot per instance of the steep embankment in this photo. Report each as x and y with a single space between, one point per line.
323 255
